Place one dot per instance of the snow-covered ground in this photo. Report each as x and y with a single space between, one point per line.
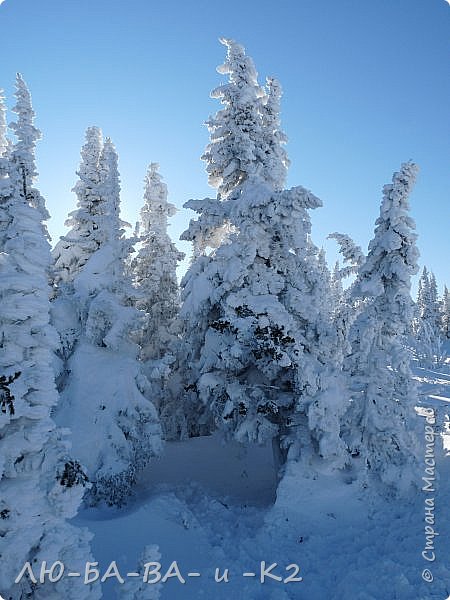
208 506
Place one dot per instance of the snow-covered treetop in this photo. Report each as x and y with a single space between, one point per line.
109 170
156 209
352 253
423 294
87 186
27 134
110 190
433 288
276 161
88 171
154 268
392 253
236 131
88 222
23 151
246 145
97 217
241 70
428 305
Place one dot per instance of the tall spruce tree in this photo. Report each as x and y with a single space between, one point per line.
40 486
423 293
427 321
445 313
5 183
87 232
434 304
345 305
275 158
3 140
114 227
154 268
384 392
256 324
22 154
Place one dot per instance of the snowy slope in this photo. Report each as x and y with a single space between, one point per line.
207 506
110 386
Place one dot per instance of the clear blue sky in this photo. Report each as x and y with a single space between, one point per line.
366 87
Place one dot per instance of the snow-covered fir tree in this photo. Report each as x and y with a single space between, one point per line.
5 184
87 232
275 159
238 142
236 132
245 135
337 290
381 419
154 268
423 293
3 139
103 386
22 154
445 313
257 330
427 321
324 279
427 305
235 141
434 302
40 485
114 228
345 305
155 279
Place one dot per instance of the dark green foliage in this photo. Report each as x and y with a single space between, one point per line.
73 474
269 340
223 325
6 398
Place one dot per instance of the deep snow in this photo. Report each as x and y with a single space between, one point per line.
206 505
